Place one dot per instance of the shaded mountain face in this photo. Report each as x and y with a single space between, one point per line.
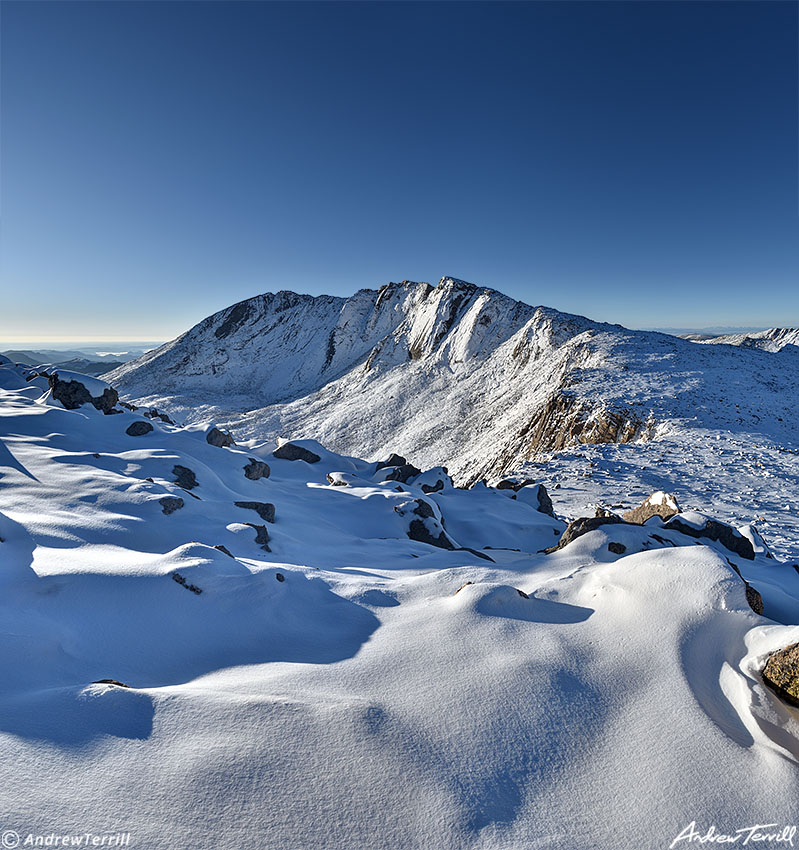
454 374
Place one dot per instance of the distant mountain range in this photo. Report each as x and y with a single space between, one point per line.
455 374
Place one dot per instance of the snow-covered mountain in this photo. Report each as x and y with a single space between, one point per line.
773 339
284 647
454 374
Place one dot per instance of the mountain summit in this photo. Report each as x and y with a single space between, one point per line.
454 373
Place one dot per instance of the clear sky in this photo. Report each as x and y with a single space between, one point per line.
635 162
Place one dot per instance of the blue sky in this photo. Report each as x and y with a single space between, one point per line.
635 162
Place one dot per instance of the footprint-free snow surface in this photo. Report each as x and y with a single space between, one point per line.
306 650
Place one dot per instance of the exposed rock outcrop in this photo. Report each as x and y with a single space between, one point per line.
265 510
221 439
184 477
291 451
73 394
781 673
576 528
698 526
170 504
138 429
256 469
659 504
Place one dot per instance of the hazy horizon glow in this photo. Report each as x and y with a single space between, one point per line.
631 162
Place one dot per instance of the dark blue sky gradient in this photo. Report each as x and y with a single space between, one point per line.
634 162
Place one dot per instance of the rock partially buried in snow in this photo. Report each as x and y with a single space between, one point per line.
659 504
781 673
256 469
425 527
576 528
73 394
221 439
292 451
261 535
170 504
699 526
138 429
265 510
184 477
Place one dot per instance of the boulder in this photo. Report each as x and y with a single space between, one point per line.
424 525
138 429
781 673
224 550
698 526
170 504
221 439
265 510
154 413
659 504
261 535
403 473
393 460
73 394
291 451
256 469
514 484
617 548
184 477
576 528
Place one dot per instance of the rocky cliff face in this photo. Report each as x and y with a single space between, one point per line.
455 374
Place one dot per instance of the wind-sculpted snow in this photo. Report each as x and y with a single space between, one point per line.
455 374
354 686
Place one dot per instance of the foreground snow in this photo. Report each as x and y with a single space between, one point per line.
350 688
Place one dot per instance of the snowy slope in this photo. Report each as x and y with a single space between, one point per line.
350 688
454 374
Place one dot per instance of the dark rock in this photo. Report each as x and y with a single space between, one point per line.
128 406
728 536
335 479
435 488
280 577
658 504
754 598
617 548
184 477
261 535
73 394
419 531
221 439
465 584
154 413
291 451
138 429
265 510
402 473
581 526
170 504
393 460
110 682
522 593
514 484
224 549
781 673
256 469
182 581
